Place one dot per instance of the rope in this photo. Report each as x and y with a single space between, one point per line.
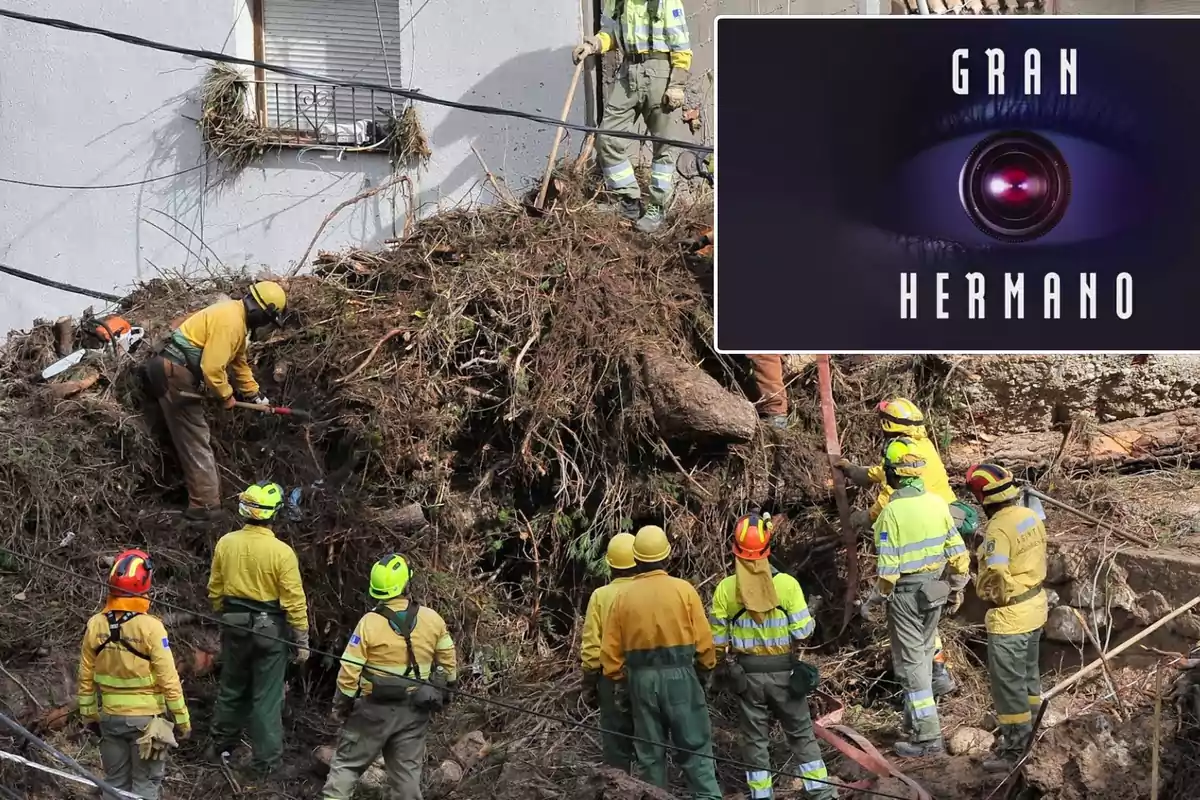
5 756
66 287
105 789
455 691
211 55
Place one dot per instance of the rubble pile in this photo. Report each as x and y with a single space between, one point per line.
496 395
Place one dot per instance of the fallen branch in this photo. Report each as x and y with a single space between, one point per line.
395 179
24 688
504 197
1122 712
394 332
703 493
1045 498
1099 662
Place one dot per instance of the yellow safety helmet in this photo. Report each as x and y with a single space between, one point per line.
389 577
261 502
651 545
620 552
900 415
992 483
270 297
900 457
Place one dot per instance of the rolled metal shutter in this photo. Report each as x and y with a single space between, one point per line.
335 38
1166 7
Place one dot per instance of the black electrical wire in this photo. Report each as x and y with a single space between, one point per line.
143 182
210 55
66 287
107 789
455 691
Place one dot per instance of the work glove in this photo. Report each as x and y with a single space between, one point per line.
157 738
674 96
229 403
959 582
342 706
588 47
260 400
183 730
589 691
873 600
301 640
954 602
706 679
853 472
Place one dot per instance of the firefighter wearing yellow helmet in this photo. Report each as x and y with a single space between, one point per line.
898 417
398 669
255 586
915 540
1012 567
199 357
615 743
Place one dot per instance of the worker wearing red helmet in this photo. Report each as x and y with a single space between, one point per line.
759 618
1012 567
126 660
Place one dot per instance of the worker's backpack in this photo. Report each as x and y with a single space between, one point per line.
394 688
115 620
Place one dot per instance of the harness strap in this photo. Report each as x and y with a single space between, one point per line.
114 632
404 627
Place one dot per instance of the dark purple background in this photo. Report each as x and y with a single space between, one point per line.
820 120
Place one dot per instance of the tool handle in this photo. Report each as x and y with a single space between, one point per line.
282 411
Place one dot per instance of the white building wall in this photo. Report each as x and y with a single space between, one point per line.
80 109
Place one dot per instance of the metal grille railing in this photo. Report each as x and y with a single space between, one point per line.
323 114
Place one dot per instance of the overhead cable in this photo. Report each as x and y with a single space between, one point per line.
66 776
211 55
53 284
144 181
458 692
106 789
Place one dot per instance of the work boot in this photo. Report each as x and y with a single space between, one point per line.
629 208
943 681
198 514
934 747
652 220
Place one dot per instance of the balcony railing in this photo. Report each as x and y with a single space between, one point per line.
314 114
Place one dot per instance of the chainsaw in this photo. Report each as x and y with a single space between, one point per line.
115 333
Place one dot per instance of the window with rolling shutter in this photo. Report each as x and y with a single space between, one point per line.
339 39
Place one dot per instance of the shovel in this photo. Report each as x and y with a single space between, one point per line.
282 411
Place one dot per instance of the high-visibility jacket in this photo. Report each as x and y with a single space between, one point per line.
734 628
221 336
599 604
1012 564
135 677
656 620
935 478
376 646
915 533
646 26
251 564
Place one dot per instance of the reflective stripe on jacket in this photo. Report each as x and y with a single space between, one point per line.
221 334
128 685
647 26
915 533
253 564
1012 560
375 645
777 632
598 607
935 478
656 621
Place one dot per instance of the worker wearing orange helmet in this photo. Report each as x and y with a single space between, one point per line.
759 618
1012 568
198 358
126 660
614 719
658 650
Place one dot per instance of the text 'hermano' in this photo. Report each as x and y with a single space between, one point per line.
1033 71
1014 296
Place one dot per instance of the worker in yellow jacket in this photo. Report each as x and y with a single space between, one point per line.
759 618
659 650
1012 568
126 659
398 669
915 541
255 585
615 720
198 358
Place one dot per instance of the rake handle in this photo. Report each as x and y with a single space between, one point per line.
282 411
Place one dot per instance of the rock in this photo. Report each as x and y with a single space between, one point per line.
1057 568
470 749
1172 573
373 778
689 404
444 779
605 783
1064 625
1185 626
1087 757
970 741
1150 607
1052 598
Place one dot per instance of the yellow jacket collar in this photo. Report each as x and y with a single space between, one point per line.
258 529
622 579
649 574
396 603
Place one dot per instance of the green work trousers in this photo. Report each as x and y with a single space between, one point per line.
396 730
123 767
615 717
911 631
768 696
253 670
1016 687
668 702
637 95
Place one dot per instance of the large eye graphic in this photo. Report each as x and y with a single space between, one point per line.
1015 186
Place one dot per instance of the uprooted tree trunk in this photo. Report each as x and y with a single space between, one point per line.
689 404
1175 434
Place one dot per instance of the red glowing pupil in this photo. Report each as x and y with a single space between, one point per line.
1011 185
